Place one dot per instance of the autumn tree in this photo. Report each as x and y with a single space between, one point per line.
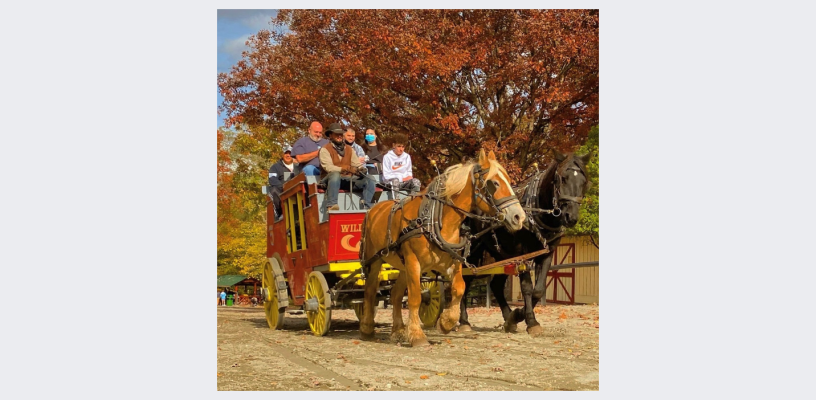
520 82
244 156
589 223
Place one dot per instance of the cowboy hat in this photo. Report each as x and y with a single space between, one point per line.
333 128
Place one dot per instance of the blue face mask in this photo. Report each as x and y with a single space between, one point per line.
370 138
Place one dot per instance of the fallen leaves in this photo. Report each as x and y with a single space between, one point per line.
563 316
423 377
356 342
441 373
220 374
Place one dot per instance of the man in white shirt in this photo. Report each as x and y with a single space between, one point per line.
397 166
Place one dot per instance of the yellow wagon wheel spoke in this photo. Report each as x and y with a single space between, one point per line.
430 311
320 319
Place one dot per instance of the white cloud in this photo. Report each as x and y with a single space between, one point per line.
259 21
233 48
253 19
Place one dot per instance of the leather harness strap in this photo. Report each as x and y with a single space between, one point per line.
429 219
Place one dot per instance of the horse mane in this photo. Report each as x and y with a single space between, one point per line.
457 176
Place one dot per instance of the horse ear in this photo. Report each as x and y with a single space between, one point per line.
586 157
491 156
483 161
559 157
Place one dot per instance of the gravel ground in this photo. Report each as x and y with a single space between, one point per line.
253 357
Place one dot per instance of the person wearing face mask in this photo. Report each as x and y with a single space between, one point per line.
339 164
349 137
375 150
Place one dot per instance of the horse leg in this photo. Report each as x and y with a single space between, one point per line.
447 321
413 271
370 301
542 268
397 292
497 288
527 311
464 325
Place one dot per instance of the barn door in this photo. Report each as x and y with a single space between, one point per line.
561 283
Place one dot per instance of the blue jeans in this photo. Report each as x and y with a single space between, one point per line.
334 179
310 169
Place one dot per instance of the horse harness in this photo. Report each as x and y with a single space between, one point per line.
532 207
429 218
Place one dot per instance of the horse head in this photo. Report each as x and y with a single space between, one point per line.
495 195
570 183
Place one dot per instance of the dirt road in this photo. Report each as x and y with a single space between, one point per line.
253 357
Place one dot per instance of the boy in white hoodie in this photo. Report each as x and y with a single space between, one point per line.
397 167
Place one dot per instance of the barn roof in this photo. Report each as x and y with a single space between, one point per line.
232 280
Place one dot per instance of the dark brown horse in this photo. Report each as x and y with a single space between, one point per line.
421 234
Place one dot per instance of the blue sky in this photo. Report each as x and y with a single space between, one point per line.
234 27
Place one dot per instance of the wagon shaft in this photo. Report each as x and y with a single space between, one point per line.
511 261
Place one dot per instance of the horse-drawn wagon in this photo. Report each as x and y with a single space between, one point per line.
316 263
313 264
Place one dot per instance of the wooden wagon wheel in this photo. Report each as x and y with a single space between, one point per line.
274 313
431 306
320 319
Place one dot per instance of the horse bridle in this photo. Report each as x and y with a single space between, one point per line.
533 189
489 186
558 197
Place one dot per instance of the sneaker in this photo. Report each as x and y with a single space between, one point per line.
334 208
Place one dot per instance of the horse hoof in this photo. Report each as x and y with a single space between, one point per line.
420 343
397 336
367 336
465 328
510 327
535 330
441 327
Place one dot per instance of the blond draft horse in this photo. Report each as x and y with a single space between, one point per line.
484 186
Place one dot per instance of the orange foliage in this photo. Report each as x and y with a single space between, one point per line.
520 82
